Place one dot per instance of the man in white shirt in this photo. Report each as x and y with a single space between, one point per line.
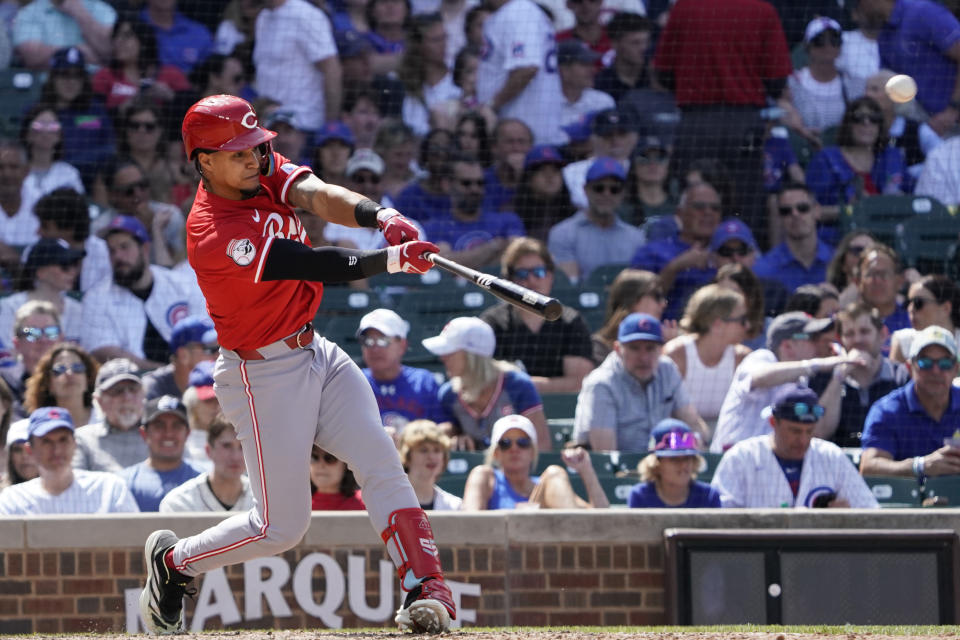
940 177
789 467
60 489
296 59
576 63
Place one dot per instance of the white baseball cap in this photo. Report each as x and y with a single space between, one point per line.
933 335
386 322
472 335
506 423
364 159
18 431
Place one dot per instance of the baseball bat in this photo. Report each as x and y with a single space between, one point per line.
544 306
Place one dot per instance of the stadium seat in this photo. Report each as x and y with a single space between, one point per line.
19 89
601 277
432 278
884 216
561 431
461 462
344 300
469 301
929 243
453 484
559 405
892 492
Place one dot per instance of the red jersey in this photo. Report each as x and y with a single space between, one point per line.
227 245
721 51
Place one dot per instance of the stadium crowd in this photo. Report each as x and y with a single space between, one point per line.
707 186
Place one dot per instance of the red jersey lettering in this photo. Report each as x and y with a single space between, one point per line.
227 244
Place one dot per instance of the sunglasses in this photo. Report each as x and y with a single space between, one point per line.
677 441
328 458
652 157
917 302
803 409
35 334
466 184
741 320
506 443
376 342
523 274
132 188
726 251
149 127
803 208
612 189
829 37
59 369
867 118
46 127
944 364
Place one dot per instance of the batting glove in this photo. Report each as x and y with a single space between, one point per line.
408 257
396 228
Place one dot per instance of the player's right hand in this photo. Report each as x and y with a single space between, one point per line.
408 257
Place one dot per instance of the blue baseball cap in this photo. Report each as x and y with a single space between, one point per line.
619 120
201 378
335 131
580 129
127 224
573 51
796 403
46 419
732 229
192 329
542 154
351 43
672 438
639 326
68 58
606 167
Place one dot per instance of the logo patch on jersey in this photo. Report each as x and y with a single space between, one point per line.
177 312
517 49
288 167
241 251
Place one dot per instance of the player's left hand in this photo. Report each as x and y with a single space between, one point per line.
408 257
396 228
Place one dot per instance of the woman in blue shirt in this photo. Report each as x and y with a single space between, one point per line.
669 473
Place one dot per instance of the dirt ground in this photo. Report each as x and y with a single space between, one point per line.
512 634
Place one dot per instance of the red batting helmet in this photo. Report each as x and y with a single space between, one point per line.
222 123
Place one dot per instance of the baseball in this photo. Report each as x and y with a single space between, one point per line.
901 88
774 590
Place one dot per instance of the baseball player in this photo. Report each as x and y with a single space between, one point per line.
282 386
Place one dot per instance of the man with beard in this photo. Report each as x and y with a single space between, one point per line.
115 443
132 315
470 235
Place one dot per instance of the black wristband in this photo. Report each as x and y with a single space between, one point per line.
365 213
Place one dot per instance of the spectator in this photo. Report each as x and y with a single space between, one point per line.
802 257
192 341
911 431
472 235
788 357
423 70
403 393
86 127
780 165
668 476
36 328
733 243
455 15
292 137
721 83
512 141
817 90
862 334
589 28
481 389
921 39
430 195
715 324
332 484
20 225
879 278
470 136
64 214
577 64
425 452
682 262
842 269
542 199
164 429
630 36
861 164
134 69
860 54
595 236
146 301
632 291
310 83
931 300
181 42
7 408
613 133
64 377
49 272
396 144
388 20
631 391
364 174
556 355
20 463
60 489
938 178
235 32
791 467
363 115
217 74
649 201
514 77
114 442
144 140
738 277
916 139
40 29
504 481
817 300
352 16
41 134
464 68
225 487
334 144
